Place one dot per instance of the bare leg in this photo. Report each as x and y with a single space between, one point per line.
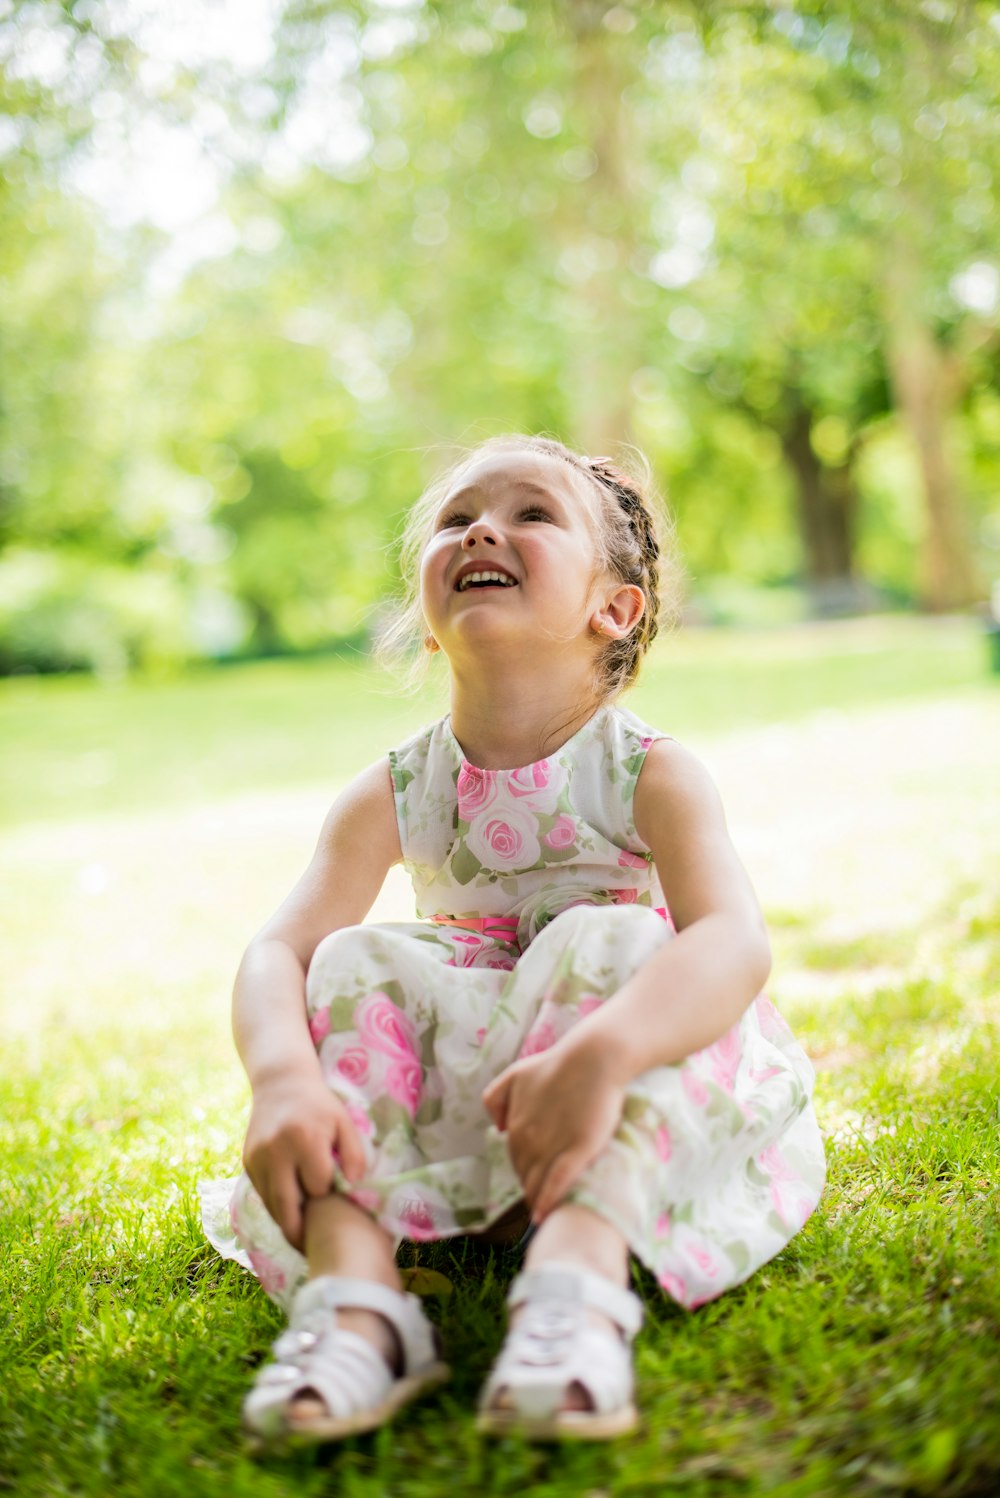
343 1239
573 1234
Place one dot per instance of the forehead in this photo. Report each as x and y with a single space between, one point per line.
524 472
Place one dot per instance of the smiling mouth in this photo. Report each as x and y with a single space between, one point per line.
485 580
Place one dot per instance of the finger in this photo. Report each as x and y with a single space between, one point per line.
561 1175
496 1099
316 1172
350 1147
286 1209
531 1180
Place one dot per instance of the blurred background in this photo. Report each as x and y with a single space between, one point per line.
263 261
263 265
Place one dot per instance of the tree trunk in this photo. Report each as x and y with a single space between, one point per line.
827 509
606 355
923 387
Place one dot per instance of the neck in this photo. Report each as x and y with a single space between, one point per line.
505 715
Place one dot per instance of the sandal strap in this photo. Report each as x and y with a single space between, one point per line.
317 1298
343 1369
538 1366
557 1281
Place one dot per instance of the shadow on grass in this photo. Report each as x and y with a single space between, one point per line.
861 1361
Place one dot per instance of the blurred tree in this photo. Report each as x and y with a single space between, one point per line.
255 289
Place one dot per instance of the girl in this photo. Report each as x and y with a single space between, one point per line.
574 1024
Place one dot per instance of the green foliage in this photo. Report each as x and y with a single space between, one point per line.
683 226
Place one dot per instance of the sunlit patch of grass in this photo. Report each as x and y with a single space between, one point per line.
861 1361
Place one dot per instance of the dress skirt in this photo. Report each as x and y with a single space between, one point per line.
715 1165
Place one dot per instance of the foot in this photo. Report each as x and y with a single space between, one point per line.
565 1367
308 1406
353 1353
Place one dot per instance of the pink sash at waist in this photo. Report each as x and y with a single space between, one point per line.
504 927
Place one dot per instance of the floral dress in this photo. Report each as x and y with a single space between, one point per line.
537 899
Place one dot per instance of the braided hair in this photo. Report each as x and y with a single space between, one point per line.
631 550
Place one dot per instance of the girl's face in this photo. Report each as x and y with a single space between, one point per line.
512 555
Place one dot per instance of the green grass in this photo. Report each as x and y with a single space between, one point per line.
863 1360
73 747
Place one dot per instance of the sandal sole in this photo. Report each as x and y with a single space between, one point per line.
568 1425
315 1432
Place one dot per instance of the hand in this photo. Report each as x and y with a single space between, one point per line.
559 1109
296 1127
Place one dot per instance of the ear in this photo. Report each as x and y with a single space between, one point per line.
619 613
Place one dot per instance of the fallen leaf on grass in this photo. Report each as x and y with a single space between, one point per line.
426 1282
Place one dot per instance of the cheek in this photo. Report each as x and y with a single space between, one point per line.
430 573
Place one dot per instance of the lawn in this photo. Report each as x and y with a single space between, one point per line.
151 827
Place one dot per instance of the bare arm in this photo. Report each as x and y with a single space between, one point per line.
295 1121
697 986
681 999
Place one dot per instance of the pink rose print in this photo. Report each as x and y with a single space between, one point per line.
645 742
541 1038
384 1026
480 1035
270 1274
693 1251
418 1219
724 1056
319 1025
359 1118
368 1201
694 1087
663 1225
702 1256
530 778
353 1065
502 963
467 950
772 1026
664 1147
505 842
674 1286
790 1207
626 896
588 1004
477 789
403 1083
562 834
628 860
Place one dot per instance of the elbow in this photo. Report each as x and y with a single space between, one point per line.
760 957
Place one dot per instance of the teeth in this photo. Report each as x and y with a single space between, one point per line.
485 577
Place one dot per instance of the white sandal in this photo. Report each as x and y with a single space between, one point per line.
553 1346
344 1370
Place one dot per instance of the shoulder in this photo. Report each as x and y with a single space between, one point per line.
365 812
409 757
675 791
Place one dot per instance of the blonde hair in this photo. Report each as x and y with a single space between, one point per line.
635 544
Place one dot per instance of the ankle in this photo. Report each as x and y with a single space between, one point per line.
375 1329
575 1235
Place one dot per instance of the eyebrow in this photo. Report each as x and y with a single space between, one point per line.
528 484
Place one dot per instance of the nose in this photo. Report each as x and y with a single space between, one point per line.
480 532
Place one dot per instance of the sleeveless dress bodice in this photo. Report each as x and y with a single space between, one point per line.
527 843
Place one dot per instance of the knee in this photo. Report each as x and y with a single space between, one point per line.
608 920
336 954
